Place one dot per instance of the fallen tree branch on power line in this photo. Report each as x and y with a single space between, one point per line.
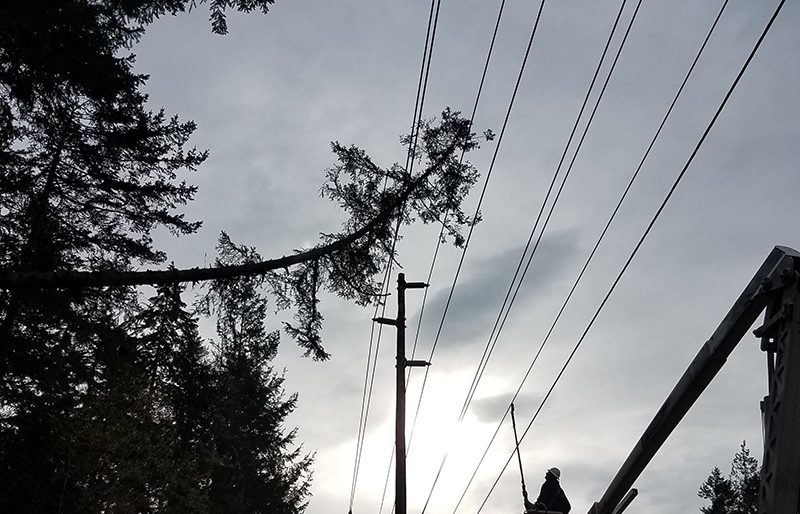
63 279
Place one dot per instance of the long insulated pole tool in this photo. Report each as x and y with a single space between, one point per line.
519 457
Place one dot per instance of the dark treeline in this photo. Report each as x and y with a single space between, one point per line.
131 413
110 400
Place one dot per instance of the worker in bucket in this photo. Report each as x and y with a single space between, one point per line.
551 496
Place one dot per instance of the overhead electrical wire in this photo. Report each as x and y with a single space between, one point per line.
410 159
485 184
510 298
624 195
441 232
430 273
480 199
610 221
489 347
507 304
644 235
366 399
436 250
418 104
496 329
369 378
409 169
483 191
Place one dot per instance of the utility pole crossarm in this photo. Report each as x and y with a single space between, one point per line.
775 274
417 363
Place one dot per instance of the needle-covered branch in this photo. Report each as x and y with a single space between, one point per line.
374 197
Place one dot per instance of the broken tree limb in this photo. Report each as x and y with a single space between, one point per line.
63 279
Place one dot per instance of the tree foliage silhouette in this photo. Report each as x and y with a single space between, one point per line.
108 402
737 493
255 469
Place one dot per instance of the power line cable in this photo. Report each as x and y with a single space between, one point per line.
480 201
441 232
608 223
436 251
409 169
552 208
502 317
408 376
489 347
486 183
461 261
644 236
369 380
623 197
427 51
509 299
434 258
410 159
418 103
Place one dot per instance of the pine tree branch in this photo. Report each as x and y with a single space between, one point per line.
82 279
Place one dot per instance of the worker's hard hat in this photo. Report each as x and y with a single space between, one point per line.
555 472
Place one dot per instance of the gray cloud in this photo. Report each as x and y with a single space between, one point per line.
491 409
473 307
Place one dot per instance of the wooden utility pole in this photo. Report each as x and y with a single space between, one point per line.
400 411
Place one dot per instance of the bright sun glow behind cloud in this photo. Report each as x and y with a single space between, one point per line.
437 435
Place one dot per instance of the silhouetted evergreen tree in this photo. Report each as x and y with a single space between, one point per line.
109 403
87 171
746 479
255 468
121 437
180 369
719 491
737 494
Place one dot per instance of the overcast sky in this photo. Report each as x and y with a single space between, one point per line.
271 96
